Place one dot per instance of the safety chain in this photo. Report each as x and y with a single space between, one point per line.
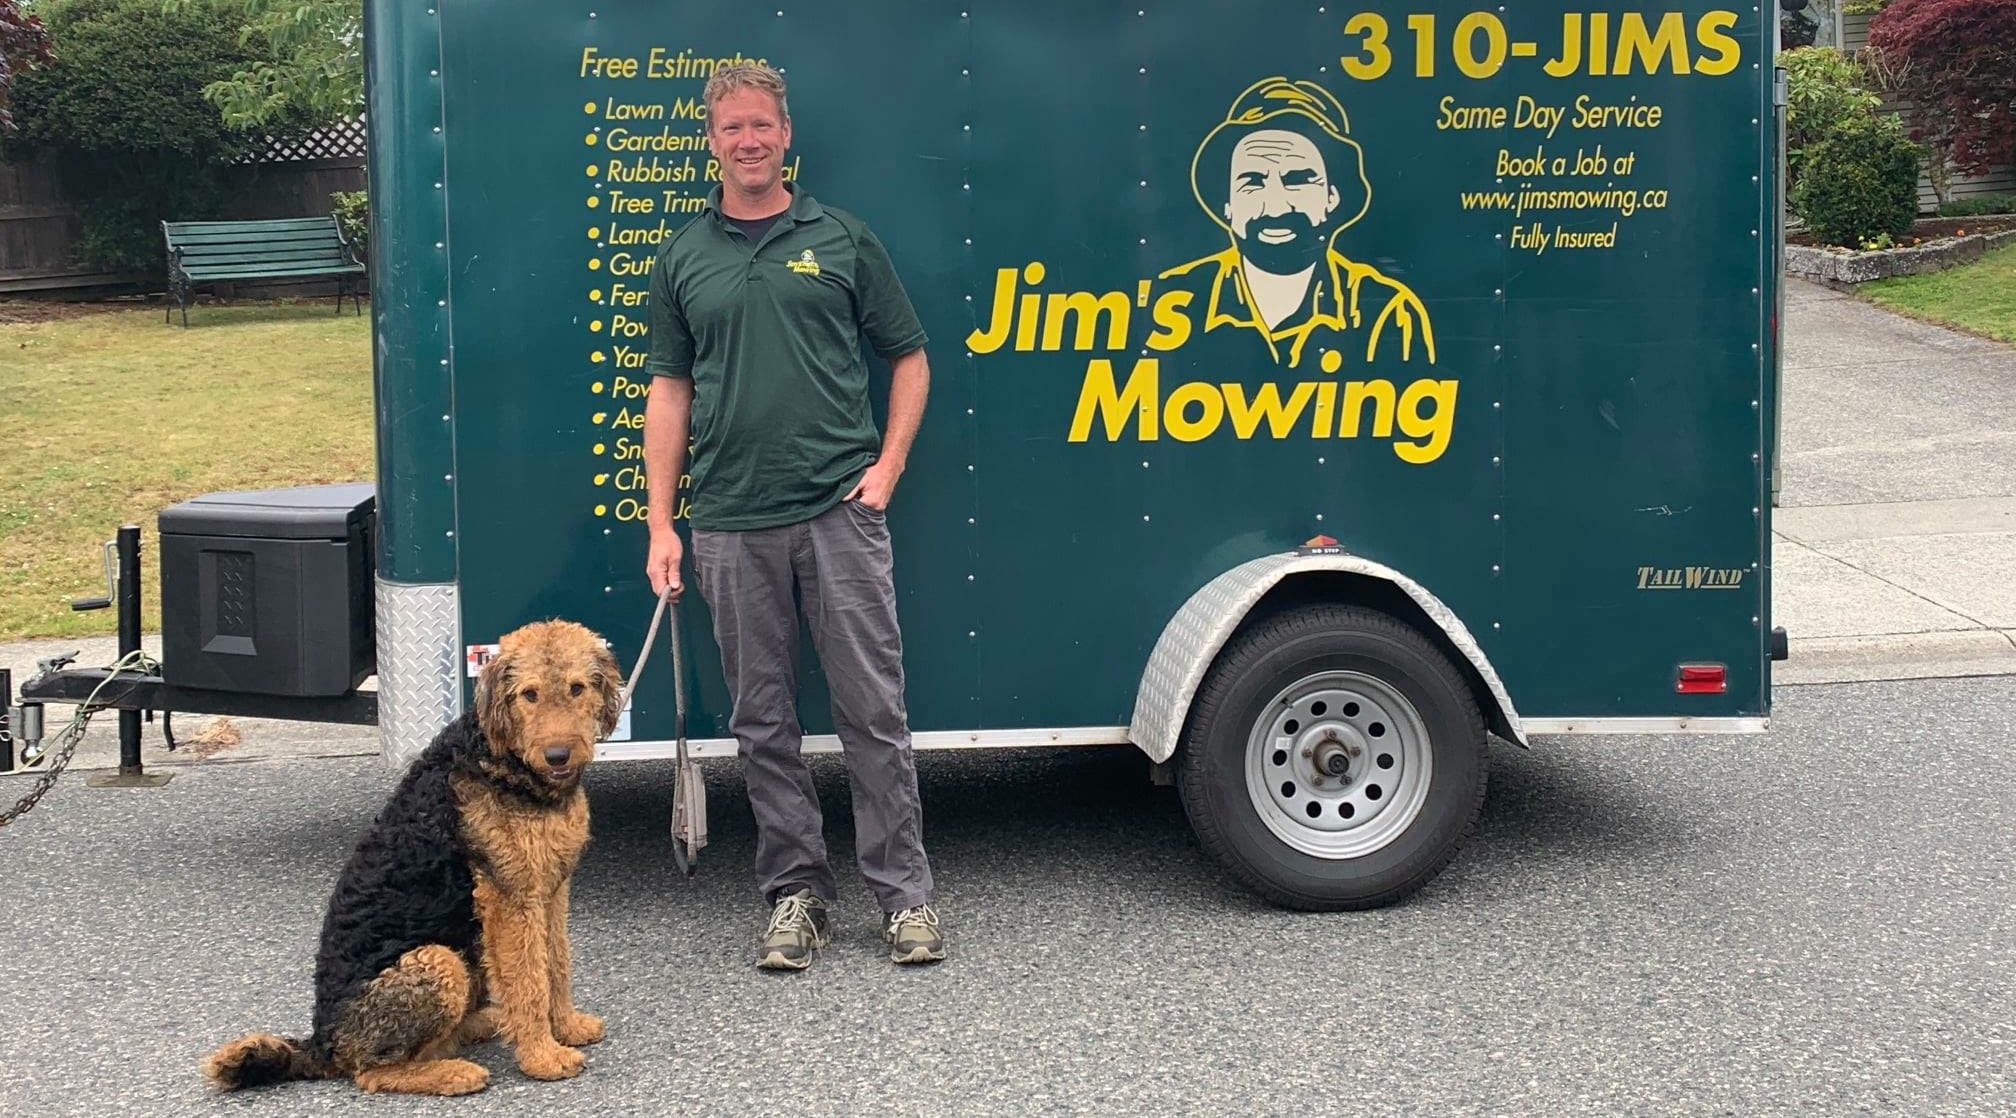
73 733
42 783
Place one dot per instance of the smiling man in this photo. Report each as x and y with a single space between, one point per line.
1283 177
758 309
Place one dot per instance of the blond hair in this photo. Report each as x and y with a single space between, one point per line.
744 75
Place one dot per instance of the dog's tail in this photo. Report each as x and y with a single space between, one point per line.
261 1058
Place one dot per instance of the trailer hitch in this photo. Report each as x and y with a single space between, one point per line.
21 723
26 717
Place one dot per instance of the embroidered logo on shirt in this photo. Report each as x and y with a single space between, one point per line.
805 265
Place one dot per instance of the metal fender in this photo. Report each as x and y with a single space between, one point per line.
1192 638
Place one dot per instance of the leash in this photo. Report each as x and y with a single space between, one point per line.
689 792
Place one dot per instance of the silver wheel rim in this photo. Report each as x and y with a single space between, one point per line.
1307 732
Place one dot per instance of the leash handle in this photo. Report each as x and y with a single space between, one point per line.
678 685
689 805
689 794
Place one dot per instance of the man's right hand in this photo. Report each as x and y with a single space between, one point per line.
662 566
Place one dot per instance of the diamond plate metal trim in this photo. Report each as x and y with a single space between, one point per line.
419 666
1193 637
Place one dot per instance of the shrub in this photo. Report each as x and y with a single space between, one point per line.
1979 204
1860 183
1828 89
121 109
1953 60
353 213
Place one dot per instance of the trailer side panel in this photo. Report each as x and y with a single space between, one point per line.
1478 295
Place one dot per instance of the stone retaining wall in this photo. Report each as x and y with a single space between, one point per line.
1837 268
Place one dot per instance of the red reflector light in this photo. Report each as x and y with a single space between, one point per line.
1702 679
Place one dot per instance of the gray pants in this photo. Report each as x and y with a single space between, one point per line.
840 565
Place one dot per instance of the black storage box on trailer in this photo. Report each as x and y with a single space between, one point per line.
269 591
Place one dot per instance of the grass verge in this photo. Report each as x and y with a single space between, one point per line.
112 417
1979 297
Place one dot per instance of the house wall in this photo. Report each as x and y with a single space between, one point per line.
1996 180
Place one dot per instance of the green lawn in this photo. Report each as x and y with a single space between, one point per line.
112 416
1980 296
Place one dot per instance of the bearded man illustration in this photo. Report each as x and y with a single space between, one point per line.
1282 176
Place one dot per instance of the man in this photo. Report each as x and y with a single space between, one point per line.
1282 176
758 307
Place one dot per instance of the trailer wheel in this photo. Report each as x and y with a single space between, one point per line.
1333 759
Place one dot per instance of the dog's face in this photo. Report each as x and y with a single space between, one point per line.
551 692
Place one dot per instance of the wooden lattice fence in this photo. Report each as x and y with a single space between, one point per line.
337 141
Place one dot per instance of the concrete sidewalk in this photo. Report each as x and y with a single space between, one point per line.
1895 540
1895 547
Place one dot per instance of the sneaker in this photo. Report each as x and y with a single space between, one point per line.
798 926
913 936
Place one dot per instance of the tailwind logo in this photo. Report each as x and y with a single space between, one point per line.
1690 578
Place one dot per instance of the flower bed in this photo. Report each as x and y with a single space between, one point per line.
1939 243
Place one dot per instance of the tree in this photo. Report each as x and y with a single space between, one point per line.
121 111
308 61
24 43
1954 62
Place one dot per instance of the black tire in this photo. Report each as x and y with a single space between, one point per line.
1258 665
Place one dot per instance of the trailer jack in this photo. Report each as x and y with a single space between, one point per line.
131 773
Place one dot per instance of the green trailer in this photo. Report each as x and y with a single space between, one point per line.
1318 391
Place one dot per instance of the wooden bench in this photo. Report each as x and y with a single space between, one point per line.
207 251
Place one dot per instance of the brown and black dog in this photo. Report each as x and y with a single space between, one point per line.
448 924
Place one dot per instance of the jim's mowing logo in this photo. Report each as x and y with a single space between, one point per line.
1280 177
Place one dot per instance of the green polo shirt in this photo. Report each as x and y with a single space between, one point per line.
770 334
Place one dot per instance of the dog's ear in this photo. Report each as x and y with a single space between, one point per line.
493 696
608 680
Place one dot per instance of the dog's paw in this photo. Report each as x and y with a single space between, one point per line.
460 1077
478 1027
431 1077
577 1028
555 1062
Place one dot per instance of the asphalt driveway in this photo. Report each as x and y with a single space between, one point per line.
1817 921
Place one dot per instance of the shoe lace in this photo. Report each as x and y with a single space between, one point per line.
918 917
793 912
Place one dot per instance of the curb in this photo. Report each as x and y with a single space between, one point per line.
1868 659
